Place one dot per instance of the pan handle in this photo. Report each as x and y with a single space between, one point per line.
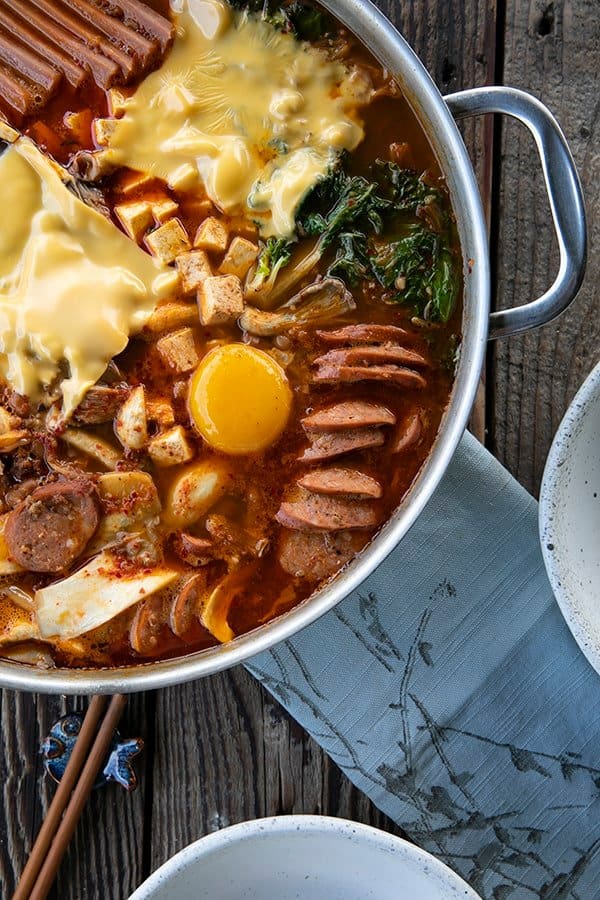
564 194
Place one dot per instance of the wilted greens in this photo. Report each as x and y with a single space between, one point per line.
395 229
303 20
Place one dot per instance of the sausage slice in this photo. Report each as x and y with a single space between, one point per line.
327 444
315 556
317 512
363 334
341 481
328 373
349 414
48 530
372 354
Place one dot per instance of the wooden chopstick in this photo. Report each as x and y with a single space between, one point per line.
78 780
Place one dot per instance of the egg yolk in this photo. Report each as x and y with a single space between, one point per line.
240 399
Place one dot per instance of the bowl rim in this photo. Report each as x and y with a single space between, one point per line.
293 825
393 51
563 440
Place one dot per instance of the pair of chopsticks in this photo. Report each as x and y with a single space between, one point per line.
89 752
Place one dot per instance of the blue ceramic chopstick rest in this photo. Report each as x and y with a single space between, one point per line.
59 744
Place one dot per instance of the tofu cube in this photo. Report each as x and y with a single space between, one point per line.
184 178
171 448
8 133
170 316
103 130
193 269
211 235
117 101
135 217
161 412
164 209
220 300
239 257
168 241
133 182
178 350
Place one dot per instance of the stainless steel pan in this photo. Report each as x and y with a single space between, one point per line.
438 115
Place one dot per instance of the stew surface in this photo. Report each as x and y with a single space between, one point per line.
229 323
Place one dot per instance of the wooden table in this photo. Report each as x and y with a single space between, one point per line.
221 751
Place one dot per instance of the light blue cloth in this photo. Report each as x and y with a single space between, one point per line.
449 689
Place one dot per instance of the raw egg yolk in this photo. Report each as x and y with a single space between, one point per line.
240 399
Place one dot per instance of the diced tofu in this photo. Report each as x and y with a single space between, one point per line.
200 209
131 423
133 182
170 316
220 300
164 209
172 448
135 217
239 257
79 123
103 131
160 411
7 133
183 178
178 350
168 241
117 101
211 235
193 268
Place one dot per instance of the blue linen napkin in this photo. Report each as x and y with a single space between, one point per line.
449 689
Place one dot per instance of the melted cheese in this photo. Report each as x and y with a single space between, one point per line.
72 286
261 114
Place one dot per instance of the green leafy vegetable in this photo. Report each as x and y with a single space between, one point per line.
341 203
307 22
420 268
351 262
300 19
274 255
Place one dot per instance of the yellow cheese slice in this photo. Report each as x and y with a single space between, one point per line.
72 286
260 115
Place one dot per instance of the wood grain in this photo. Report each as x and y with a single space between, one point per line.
105 856
553 50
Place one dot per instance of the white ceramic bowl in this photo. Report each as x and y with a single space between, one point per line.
303 858
570 517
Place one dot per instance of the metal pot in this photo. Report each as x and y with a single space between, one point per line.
437 115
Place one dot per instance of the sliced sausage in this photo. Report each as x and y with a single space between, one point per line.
350 414
333 374
196 551
186 606
315 556
341 481
327 444
408 434
316 512
100 404
372 354
147 625
48 530
18 492
363 334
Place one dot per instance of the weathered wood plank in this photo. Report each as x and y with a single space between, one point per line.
225 751
105 856
552 49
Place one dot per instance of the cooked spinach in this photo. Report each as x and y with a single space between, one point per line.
300 19
395 228
419 268
341 203
351 262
